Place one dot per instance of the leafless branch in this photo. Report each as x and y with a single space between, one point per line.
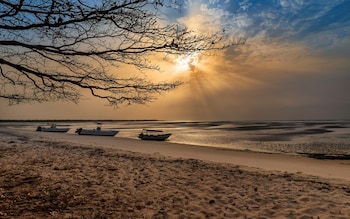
55 49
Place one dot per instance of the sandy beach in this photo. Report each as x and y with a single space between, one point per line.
51 175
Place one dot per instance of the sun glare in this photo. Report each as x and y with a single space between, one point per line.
186 62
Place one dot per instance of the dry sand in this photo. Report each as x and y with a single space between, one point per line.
63 176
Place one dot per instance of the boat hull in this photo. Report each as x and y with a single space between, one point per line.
97 132
161 137
62 130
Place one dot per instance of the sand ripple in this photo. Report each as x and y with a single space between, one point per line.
45 179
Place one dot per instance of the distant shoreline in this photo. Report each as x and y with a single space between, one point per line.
179 120
78 120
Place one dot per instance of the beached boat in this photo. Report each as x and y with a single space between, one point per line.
155 135
52 128
98 131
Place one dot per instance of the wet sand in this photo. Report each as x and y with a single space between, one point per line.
50 175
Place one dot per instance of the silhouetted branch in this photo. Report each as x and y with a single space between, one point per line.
53 50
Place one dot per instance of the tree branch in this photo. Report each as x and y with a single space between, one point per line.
53 50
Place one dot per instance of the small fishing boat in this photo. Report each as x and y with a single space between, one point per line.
52 128
155 135
98 131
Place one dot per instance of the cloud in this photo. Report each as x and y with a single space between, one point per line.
245 5
284 19
292 4
216 13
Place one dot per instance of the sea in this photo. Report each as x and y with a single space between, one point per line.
324 139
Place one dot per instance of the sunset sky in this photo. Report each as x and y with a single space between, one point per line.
295 64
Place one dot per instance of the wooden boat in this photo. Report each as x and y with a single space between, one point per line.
98 131
52 128
155 135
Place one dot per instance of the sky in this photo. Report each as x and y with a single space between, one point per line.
294 65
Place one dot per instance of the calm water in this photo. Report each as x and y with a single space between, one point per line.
321 137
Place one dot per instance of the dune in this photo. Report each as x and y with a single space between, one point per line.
51 175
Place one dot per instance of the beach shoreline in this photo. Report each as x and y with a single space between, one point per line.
291 163
45 175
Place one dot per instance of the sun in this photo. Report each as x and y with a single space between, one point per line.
186 62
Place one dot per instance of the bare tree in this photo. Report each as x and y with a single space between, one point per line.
55 49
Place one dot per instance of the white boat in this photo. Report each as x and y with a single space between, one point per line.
155 135
98 131
52 128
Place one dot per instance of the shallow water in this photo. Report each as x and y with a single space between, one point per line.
310 137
